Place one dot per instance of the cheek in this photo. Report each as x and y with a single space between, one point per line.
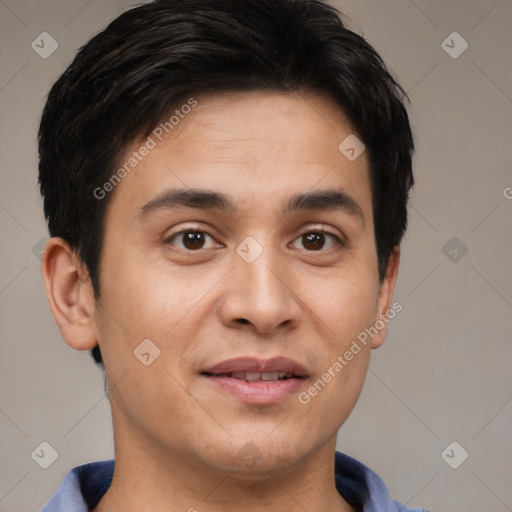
341 310
344 304
139 292
151 300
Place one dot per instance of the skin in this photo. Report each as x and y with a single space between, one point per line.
178 438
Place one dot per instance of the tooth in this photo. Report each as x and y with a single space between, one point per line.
281 375
252 376
238 375
269 376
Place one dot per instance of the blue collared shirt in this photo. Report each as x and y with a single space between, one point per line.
84 486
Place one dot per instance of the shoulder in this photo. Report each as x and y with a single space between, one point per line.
82 488
359 485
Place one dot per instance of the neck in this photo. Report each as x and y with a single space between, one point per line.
148 478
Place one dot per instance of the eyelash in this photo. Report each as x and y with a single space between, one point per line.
340 243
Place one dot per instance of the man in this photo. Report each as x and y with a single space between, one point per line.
225 185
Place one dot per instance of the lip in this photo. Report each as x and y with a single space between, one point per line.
257 392
253 364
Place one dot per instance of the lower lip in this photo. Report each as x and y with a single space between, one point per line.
259 392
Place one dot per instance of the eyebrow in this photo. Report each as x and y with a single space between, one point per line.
325 200
209 200
189 198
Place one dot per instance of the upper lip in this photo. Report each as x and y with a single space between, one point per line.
253 364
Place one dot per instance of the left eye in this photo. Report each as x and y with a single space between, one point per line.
316 240
193 240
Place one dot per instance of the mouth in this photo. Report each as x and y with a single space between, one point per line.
253 380
255 376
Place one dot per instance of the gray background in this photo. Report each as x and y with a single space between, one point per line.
443 375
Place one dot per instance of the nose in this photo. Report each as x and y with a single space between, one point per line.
260 295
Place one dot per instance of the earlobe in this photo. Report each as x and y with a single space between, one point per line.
385 299
69 294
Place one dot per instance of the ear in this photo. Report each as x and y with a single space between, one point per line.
69 293
384 301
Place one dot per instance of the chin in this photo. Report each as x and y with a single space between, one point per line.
254 459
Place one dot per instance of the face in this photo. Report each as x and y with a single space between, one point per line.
250 287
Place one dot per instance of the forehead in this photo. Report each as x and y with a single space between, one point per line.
260 147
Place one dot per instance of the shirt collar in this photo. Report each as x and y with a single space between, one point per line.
84 486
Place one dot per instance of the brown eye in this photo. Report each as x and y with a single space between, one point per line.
192 240
313 241
318 240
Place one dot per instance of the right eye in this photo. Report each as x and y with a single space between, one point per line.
192 240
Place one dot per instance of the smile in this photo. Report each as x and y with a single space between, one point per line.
257 381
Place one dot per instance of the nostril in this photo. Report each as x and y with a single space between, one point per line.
243 320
